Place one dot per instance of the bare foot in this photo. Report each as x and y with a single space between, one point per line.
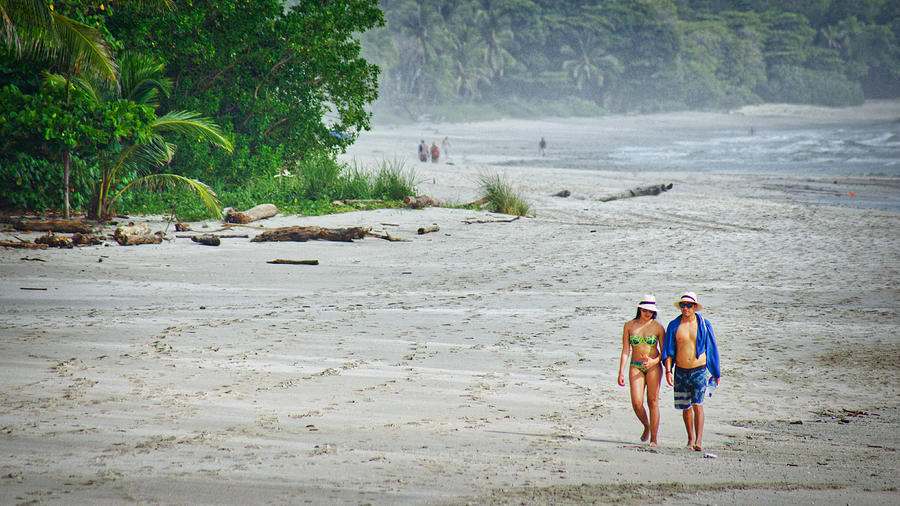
652 444
646 434
698 448
690 444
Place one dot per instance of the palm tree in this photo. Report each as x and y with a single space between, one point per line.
142 82
30 28
590 64
493 26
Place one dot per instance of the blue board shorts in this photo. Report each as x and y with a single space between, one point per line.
690 386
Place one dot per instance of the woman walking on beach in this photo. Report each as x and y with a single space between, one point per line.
642 338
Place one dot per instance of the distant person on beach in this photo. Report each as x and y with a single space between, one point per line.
445 148
691 343
543 147
423 151
435 152
641 339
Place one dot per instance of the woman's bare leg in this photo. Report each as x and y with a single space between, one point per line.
653 379
636 379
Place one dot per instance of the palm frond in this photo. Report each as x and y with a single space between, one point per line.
80 84
192 124
21 21
206 194
142 78
83 47
156 153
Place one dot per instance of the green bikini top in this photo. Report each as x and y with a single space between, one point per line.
636 340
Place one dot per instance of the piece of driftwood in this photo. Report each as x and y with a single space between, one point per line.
638 192
357 201
54 241
293 262
564 193
182 227
79 239
52 225
22 245
469 222
207 239
131 235
430 228
420 201
477 203
254 213
220 236
302 234
387 237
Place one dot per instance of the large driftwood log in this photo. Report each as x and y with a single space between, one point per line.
421 201
254 213
638 192
22 245
429 228
54 241
302 234
53 225
130 235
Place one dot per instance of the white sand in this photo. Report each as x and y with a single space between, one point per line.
474 364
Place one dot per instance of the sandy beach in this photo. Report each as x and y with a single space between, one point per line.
476 364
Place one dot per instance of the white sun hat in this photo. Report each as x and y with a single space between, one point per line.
689 297
648 302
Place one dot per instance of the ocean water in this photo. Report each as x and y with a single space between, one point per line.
858 150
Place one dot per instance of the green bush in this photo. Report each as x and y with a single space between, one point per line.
797 85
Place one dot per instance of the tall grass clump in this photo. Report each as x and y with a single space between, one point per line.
393 180
501 197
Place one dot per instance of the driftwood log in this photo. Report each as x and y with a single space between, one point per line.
254 213
421 201
302 234
207 239
54 241
293 262
52 225
638 192
387 237
130 235
22 245
430 228
182 227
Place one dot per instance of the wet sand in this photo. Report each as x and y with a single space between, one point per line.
476 364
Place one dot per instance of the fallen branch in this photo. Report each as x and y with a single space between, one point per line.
431 228
357 201
387 237
638 192
22 245
477 203
220 236
255 213
52 225
469 222
293 262
302 234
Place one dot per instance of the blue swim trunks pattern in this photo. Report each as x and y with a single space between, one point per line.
690 386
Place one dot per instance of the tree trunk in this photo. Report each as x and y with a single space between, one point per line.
302 234
65 226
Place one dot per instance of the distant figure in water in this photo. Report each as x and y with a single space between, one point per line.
445 147
752 131
642 338
435 152
423 151
543 147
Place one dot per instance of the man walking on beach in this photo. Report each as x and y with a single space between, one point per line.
691 343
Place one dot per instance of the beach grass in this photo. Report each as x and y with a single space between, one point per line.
501 197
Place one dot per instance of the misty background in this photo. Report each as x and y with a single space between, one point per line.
465 60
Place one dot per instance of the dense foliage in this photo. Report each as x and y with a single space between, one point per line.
284 83
634 55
